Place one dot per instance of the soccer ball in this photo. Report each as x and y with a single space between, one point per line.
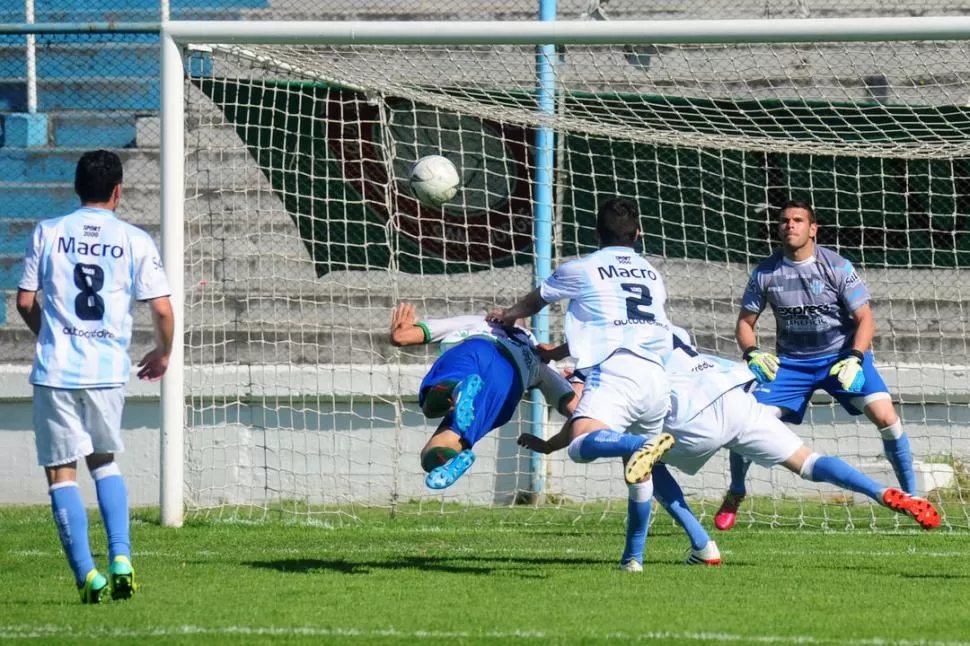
433 180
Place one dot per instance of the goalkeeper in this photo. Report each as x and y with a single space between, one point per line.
476 384
824 331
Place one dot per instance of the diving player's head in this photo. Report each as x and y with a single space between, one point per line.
97 179
797 227
618 223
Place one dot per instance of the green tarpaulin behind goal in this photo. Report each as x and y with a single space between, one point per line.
323 149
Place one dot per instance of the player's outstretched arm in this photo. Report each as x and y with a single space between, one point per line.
404 326
29 309
154 364
555 443
527 306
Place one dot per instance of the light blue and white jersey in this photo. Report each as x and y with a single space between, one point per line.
616 301
812 300
91 268
517 344
698 380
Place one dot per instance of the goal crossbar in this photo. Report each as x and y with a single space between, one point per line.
571 32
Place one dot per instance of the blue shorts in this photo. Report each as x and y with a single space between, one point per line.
798 379
501 392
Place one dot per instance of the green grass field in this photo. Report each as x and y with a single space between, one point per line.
487 577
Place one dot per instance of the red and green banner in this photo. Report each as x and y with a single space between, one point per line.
337 159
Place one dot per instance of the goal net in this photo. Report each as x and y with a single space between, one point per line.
300 236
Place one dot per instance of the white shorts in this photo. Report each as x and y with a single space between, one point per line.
737 422
627 393
72 424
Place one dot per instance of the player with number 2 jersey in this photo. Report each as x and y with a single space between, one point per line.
617 329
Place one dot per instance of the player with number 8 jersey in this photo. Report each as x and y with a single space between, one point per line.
82 274
90 265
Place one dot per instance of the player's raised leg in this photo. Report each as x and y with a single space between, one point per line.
827 468
446 457
485 391
763 438
643 461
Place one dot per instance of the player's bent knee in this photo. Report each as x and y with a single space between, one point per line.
864 402
807 472
641 491
574 451
892 432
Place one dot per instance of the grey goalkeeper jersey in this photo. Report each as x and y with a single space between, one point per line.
812 300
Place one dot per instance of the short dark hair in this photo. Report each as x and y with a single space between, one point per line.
618 222
798 204
97 174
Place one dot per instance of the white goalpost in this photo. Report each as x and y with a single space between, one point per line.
288 234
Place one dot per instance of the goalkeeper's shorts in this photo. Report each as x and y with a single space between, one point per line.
501 391
798 379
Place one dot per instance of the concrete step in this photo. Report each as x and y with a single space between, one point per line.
141 202
83 60
44 40
213 134
223 169
85 130
101 93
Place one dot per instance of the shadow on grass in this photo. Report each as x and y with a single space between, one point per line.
449 564
933 575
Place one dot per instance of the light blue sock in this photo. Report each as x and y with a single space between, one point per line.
739 469
113 501
604 444
901 457
836 471
637 521
72 526
671 496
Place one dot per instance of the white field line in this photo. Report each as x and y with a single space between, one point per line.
48 631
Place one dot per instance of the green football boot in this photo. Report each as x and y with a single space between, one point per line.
122 578
94 588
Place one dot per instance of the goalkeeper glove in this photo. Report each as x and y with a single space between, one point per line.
764 365
849 372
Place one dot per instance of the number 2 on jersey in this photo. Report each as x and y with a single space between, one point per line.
640 299
88 305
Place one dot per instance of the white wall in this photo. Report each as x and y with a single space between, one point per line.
328 451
